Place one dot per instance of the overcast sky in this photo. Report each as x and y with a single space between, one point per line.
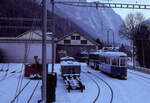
124 12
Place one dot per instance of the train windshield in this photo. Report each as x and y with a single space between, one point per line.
115 61
118 61
123 61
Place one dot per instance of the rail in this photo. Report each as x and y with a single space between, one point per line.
20 91
98 94
33 91
112 95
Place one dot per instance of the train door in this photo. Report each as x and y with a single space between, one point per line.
122 67
108 64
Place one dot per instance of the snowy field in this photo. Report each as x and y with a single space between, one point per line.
133 90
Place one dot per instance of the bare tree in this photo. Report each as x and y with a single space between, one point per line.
131 21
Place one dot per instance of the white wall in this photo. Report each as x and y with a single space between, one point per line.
12 50
15 52
36 50
75 42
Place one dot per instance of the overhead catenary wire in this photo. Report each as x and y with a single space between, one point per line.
23 19
28 51
26 54
25 60
104 5
96 5
21 77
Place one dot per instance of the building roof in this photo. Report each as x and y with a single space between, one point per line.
94 42
37 35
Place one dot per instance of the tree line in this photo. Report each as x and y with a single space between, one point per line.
137 30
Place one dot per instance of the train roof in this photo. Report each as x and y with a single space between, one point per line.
113 54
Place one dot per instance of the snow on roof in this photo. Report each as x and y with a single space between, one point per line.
112 54
84 52
70 63
96 52
66 58
49 33
62 51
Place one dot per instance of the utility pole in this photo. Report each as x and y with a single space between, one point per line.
108 37
113 40
143 53
44 71
133 54
53 34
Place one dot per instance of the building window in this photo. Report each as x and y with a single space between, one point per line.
73 37
83 41
67 41
77 37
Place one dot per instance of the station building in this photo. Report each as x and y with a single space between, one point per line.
74 43
24 47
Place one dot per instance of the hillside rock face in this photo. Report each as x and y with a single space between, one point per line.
95 21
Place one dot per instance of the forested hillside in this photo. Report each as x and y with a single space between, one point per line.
30 9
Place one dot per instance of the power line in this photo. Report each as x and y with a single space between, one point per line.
104 5
23 19
20 27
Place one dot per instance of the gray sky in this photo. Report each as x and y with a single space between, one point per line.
124 12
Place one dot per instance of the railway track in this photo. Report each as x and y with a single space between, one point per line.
8 75
111 98
6 72
98 87
33 91
25 86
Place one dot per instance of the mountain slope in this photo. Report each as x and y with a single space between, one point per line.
30 9
95 21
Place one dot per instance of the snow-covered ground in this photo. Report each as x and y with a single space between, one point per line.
133 90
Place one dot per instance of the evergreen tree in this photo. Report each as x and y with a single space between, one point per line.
100 43
142 42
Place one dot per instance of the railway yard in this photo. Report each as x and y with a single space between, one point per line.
99 87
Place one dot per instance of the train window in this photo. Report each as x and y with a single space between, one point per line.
102 59
122 62
114 61
107 60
